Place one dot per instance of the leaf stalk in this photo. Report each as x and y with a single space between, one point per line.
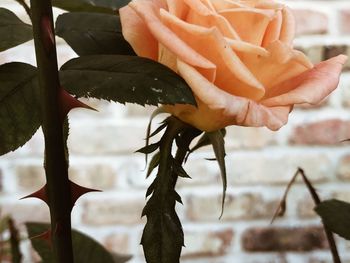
56 167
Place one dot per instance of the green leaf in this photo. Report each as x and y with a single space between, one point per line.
19 105
218 143
13 31
335 215
163 238
204 141
93 33
85 249
149 127
149 148
150 189
125 79
101 6
179 170
153 164
4 224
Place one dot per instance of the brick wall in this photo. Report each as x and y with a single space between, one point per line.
260 163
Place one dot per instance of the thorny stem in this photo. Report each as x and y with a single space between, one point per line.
25 6
173 129
14 240
56 167
187 137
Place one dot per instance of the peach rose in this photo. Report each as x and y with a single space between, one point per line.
236 55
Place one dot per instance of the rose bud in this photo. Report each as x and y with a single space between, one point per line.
237 57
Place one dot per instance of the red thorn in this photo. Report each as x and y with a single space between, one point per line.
77 191
68 102
46 236
40 194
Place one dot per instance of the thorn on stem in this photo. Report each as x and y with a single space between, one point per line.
68 102
40 194
77 191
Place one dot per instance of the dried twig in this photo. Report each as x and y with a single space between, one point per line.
282 208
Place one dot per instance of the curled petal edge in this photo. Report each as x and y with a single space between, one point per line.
218 109
310 87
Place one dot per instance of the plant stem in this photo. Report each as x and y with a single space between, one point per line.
25 6
329 234
173 129
282 208
14 240
56 167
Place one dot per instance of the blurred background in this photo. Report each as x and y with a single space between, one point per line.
260 163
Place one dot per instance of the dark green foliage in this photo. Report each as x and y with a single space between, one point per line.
13 31
336 216
102 6
163 237
15 242
125 79
179 170
85 248
93 33
149 148
19 105
205 141
218 143
153 164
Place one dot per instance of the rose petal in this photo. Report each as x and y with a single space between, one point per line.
288 26
169 59
282 63
136 32
178 8
249 23
266 4
310 87
209 4
225 4
148 11
200 14
246 47
273 30
218 109
231 72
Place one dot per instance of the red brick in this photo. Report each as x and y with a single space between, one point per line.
327 132
345 21
114 210
237 207
343 169
310 22
284 239
239 137
276 168
30 177
305 207
207 243
334 50
118 243
314 52
98 176
25 210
